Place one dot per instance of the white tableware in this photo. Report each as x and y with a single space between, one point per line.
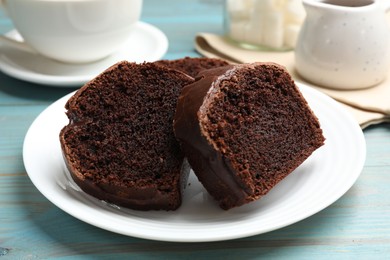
74 31
344 44
145 43
270 25
323 178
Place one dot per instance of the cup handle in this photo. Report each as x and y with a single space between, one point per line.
19 45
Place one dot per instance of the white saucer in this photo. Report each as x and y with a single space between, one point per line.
146 43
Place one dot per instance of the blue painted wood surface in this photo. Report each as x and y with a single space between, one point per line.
357 226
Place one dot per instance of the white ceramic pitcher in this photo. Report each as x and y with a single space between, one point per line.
344 44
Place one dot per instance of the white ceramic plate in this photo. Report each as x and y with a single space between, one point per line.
146 43
318 182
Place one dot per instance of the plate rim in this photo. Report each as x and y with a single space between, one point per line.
306 90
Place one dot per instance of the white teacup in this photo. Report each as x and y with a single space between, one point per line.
74 31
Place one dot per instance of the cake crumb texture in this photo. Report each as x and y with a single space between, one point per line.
254 128
119 145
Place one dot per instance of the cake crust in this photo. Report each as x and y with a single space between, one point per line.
231 120
119 144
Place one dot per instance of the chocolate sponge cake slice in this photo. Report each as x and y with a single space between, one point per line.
119 145
192 66
243 129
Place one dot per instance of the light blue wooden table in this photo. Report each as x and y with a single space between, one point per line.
357 226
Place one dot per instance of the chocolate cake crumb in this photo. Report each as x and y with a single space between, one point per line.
244 128
119 144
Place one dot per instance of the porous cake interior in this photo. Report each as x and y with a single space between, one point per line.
121 127
258 120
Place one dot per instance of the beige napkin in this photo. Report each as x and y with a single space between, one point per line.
368 106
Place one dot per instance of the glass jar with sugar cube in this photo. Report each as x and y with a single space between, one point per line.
271 25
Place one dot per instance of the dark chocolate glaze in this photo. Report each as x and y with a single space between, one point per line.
216 169
138 198
192 66
213 169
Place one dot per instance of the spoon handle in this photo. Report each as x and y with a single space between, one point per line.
16 44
